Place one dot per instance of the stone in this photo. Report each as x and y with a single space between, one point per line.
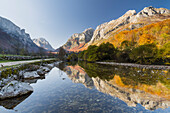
31 75
50 65
41 72
46 69
15 89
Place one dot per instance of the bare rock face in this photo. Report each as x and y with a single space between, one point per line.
130 20
41 42
149 11
78 40
14 89
104 29
13 37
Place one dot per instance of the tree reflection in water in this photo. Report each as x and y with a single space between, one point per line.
147 87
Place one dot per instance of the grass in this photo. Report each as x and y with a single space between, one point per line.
5 67
1 55
4 61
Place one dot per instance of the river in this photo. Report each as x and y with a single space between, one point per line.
95 88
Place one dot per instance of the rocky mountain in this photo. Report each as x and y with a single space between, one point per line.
78 40
130 20
105 32
41 42
13 38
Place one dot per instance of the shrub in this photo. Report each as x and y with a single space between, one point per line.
144 54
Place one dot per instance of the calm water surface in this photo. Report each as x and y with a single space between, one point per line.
95 88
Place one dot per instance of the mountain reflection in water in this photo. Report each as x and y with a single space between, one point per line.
90 87
150 88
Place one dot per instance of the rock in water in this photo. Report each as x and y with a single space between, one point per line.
30 75
46 69
15 89
41 72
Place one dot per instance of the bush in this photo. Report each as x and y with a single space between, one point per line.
72 57
105 51
123 56
144 54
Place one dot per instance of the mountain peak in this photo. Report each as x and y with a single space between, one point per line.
10 32
88 29
42 42
130 20
130 13
78 40
149 11
41 38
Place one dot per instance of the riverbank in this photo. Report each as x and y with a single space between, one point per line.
21 62
137 65
15 80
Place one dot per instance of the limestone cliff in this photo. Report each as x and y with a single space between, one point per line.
13 38
41 42
130 20
78 40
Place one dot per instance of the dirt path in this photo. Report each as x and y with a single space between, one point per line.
137 65
19 62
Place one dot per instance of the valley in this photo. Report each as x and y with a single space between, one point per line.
121 66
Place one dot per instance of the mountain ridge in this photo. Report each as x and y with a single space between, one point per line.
78 40
129 21
132 19
42 42
13 38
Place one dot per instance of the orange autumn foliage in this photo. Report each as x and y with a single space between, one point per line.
156 32
146 39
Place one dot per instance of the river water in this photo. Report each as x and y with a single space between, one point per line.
95 88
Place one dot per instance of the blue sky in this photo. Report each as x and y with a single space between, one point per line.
57 20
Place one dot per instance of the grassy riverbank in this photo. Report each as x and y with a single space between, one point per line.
1 55
3 61
14 64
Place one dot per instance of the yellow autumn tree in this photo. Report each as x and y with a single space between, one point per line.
146 39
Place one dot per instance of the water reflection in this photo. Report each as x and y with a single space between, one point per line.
150 88
88 87
13 102
78 75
